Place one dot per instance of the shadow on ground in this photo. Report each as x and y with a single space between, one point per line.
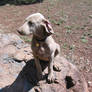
26 79
19 2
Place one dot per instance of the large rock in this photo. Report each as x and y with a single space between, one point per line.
12 49
12 46
18 77
68 80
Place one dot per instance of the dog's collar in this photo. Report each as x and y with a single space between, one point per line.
42 40
39 40
37 44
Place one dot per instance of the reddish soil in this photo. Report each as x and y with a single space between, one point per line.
71 21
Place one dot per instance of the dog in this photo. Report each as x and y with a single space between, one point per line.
43 45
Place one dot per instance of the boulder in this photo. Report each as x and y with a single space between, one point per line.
69 79
21 77
12 49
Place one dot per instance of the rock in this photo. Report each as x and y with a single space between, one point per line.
16 48
90 16
69 79
24 54
7 5
21 77
89 83
9 72
12 48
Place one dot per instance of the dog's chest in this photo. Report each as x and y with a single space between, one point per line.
41 49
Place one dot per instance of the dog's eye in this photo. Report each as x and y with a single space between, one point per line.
30 23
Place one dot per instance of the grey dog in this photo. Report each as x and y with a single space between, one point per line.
43 45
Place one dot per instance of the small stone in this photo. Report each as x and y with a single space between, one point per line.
89 83
90 16
7 4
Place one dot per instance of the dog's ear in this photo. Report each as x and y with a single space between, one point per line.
48 26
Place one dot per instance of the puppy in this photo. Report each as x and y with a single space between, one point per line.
43 45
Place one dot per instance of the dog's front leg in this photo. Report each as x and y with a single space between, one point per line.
51 77
38 68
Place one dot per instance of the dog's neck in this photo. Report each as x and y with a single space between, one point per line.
39 39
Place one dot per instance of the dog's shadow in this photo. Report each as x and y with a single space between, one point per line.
26 79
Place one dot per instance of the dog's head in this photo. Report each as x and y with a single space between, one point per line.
37 25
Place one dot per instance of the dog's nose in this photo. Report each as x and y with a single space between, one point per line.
19 31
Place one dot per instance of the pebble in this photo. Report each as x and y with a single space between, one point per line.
89 83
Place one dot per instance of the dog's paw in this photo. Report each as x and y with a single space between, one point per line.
51 78
57 67
39 83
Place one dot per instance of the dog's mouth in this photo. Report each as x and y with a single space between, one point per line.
21 33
